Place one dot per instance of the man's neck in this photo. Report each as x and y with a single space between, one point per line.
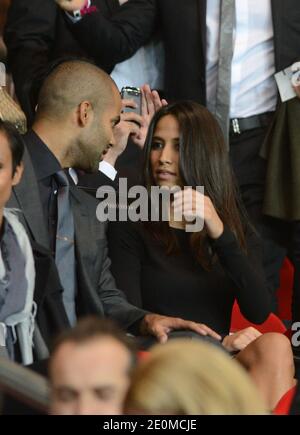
56 141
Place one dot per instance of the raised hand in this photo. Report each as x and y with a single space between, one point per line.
296 78
128 125
151 103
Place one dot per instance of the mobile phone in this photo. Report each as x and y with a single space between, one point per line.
131 93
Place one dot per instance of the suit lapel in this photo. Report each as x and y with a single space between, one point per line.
28 199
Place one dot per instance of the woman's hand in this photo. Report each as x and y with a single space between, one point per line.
192 205
239 340
296 78
161 326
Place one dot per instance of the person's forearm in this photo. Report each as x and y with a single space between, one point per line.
247 278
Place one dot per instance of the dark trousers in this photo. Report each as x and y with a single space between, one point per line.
249 170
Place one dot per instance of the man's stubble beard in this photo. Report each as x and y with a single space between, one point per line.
88 157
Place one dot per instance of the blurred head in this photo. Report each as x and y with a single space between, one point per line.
90 369
81 102
11 167
186 377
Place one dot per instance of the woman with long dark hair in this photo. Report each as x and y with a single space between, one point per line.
198 275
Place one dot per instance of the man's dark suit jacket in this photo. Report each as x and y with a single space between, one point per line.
114 34
51 318
97 292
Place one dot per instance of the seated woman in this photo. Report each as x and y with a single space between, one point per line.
208 382
197 276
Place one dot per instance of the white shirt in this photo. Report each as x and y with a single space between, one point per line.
104 167
145 66
253 88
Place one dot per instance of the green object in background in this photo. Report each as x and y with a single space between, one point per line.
281 150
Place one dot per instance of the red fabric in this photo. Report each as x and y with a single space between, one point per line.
272 324
88 10
288 333
142 354
284 404
284 293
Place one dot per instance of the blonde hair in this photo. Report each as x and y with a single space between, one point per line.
186 377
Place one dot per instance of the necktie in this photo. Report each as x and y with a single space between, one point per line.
227 20
65 249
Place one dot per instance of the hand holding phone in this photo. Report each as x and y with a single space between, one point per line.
147 103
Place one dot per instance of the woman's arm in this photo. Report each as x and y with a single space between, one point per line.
247 274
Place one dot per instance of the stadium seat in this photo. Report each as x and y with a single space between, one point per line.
284 404
284 294
142 354
272 324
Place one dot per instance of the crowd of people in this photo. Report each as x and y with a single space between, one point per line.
209 117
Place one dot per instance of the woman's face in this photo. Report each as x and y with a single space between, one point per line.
164 155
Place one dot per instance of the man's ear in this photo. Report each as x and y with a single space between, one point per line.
85 113
18 174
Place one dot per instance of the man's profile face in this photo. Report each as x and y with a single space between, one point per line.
89 378
100 134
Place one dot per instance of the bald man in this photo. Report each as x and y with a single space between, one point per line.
78 116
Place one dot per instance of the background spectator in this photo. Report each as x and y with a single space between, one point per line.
191 378
90 369
39 31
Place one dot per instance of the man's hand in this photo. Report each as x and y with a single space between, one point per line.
296 78
128 125
239 340
71 5
133 124
160 326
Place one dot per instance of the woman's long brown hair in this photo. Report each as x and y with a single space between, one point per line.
203 161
